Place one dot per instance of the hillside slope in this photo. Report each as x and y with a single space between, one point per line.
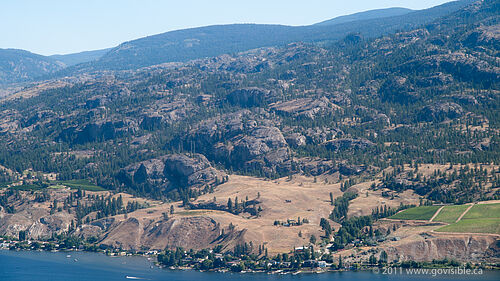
188 44
81 57
427 95
368 15
19 65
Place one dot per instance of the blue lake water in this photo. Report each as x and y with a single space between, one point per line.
40 266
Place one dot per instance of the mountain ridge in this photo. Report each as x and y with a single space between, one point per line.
366 15
80 57
209 41
18 65
193 43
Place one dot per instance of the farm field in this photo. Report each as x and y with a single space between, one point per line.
26 187
417 213
81 184
450 214
483 225
483 211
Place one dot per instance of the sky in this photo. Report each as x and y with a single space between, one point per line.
50 27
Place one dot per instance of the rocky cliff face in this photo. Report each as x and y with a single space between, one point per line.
192 171
462 247
173 171
37 222
244 141
252 97
189 233
101 130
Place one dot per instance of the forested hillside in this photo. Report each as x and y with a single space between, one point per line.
356 106
196 43
19 65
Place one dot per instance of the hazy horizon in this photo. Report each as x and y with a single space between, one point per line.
65 27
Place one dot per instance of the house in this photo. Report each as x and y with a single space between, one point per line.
301 249
233 263
310 263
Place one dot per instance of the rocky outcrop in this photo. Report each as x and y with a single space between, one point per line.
225 126
151 122
296 140
460 64
251 97
98 131
170 171
154 173
37 223
440 111
165 111
192 171
465 99
316 167
397 89
349 143
263 149
243 141
436 79
349 169
39 117
259 142
318 135
371 115
305 107
95 102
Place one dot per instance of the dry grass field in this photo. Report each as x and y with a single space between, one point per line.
279 199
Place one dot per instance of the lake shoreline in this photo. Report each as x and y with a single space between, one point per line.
80 265
285 271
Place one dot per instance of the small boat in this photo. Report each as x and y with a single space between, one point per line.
68 256
132 277
75 260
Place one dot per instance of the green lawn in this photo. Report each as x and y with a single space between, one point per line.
417 213
483 211
450 214
81 184
485 225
